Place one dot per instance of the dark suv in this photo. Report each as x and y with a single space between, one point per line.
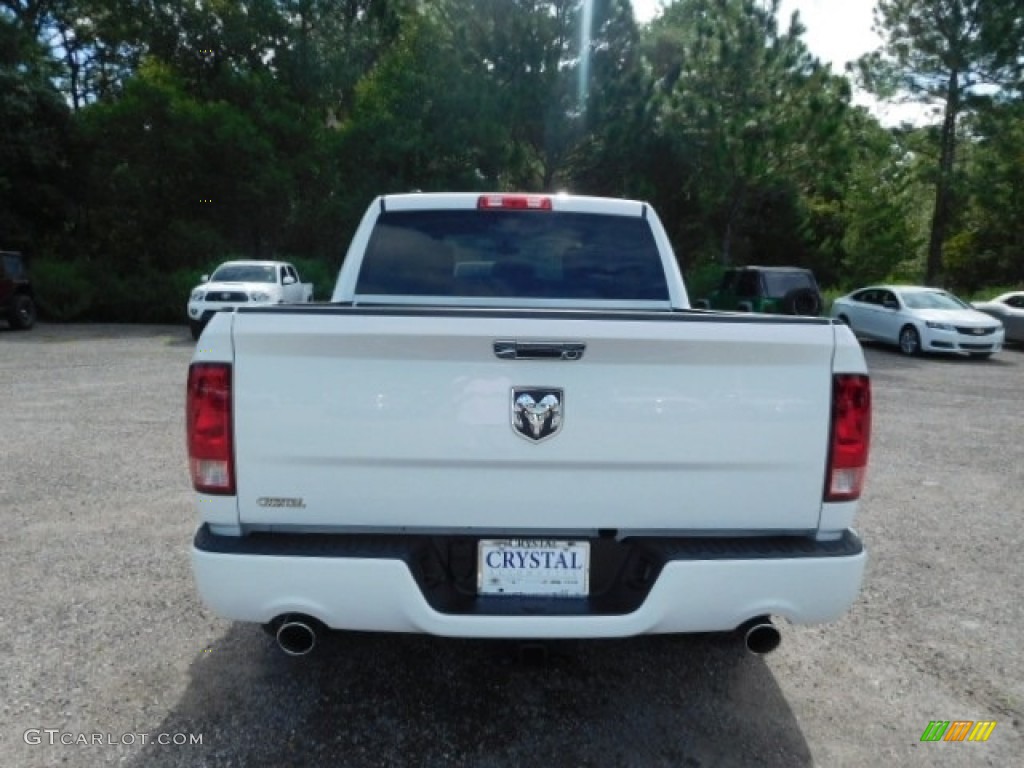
772 290
17 302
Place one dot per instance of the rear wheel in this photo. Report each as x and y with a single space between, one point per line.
910 340
802 301
23 312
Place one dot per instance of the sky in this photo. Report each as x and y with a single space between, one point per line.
838 31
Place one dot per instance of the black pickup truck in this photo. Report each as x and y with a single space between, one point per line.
17 301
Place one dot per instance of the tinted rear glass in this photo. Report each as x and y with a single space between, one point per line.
778 284
512 254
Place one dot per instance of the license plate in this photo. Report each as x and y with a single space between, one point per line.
533 567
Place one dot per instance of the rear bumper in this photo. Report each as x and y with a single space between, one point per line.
377 584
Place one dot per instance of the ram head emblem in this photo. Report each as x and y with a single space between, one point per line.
536 413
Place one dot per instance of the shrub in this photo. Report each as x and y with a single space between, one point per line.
703 279
65 290
828 297
319 273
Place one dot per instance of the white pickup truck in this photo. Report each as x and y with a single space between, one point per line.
509 423
243 283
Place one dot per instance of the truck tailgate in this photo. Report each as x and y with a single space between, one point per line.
349 418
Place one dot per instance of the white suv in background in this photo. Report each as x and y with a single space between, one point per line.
244 283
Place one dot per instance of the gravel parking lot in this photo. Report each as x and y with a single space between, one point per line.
104 638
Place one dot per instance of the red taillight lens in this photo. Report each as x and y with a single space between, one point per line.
514 202
851 437
208 426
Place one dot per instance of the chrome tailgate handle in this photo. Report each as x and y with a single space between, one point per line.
510 349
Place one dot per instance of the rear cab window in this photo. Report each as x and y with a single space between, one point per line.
511 254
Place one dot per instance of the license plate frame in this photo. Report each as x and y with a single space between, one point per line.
533 567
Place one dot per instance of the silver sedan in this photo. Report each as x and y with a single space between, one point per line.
1009 310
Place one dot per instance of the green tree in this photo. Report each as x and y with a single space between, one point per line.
988 249
881 198
615 151
495 93
948 53
34 162
174 181
528 49
329 45
746 114
424 118
95 42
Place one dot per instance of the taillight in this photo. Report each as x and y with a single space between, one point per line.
514 202
851 436
208 426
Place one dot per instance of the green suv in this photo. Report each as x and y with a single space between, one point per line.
771 290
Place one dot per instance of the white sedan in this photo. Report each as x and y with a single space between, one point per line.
1007 309
917 319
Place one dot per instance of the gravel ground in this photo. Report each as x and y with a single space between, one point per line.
102 632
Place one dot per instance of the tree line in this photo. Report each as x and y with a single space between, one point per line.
143 142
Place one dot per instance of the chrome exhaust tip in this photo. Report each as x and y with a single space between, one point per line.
761 636
296 636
